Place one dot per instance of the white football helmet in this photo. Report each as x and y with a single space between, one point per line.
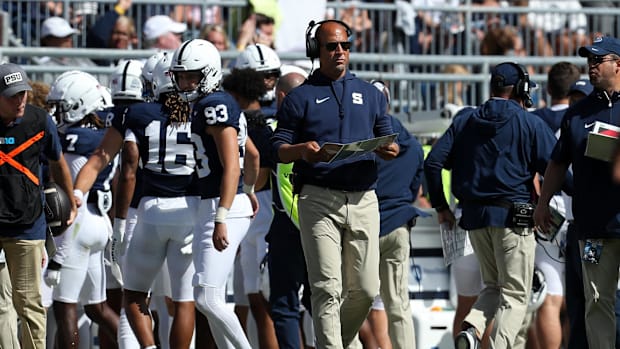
264 59
126 81
74 95
106 94
147 73
260 58
197 55
162 80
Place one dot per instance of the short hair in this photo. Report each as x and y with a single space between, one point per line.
560 77
262 19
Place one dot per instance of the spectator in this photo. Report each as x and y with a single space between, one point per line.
453 92
604 24
564 32
256 29
162 32
57 32
502 41
503 242
595 204
359 22
215 34
195 18
22 219
26 17
338 208
113 30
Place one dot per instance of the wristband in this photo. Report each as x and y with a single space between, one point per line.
248 189
221 214
120 224
78 194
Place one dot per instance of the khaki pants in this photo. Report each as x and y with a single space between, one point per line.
23 258
599 285
506 257
340 239
394 274
8 316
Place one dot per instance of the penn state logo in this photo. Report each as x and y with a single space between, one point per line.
13 78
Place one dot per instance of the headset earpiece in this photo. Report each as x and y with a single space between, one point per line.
522 87
312 43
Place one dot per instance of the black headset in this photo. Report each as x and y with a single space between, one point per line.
312 43
521 89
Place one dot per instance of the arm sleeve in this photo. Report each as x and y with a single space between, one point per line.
437 160
288 121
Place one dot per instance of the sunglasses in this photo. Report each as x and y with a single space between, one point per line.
331 46
596 60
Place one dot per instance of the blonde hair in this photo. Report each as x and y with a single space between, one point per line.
208 28
38 95
452 90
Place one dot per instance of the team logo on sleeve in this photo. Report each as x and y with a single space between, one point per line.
357 98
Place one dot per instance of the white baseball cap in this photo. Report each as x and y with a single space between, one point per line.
159 25
57 27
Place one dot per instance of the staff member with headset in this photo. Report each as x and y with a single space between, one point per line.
338 209
494 151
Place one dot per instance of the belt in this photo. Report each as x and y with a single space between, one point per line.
93 197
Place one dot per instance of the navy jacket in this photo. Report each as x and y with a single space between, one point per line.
596 203
399 182
341 111
494 152
553 118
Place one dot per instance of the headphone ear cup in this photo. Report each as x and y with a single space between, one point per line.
313 46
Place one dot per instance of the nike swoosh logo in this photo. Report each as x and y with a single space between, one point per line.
589 125
319 101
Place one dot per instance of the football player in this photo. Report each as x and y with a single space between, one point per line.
76 272
219 134
167 209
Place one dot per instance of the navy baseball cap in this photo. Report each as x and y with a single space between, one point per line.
507 74
13 80
601 46
584 86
